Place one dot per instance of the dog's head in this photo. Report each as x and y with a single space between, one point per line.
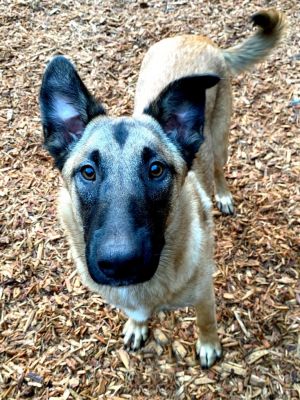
122 174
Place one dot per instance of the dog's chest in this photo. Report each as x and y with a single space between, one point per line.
140 306
132 303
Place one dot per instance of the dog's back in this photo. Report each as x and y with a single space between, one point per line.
187 55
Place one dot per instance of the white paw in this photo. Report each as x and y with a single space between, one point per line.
208 353
135 334
225 203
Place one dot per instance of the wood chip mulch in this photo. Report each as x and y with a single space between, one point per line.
60 341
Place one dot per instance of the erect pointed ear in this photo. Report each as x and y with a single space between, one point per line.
180 110
66 108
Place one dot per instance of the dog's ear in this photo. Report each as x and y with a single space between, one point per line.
66 108
180 110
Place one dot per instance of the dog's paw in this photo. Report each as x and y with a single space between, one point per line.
208 352
225 203
135 334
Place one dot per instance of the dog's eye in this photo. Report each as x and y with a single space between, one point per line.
156 169
88 173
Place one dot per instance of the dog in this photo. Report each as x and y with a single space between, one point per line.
136 196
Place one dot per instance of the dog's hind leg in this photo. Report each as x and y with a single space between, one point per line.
220 123
208 346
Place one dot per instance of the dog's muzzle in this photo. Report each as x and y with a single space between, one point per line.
121 260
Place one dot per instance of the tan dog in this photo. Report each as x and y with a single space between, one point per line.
136 198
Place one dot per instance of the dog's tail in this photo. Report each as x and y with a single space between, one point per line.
271 27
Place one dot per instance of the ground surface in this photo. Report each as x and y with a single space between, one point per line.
60 341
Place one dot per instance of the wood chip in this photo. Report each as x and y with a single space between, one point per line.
234 368
124 356
179 350
203 381
153 347
160 337
256 355
257 380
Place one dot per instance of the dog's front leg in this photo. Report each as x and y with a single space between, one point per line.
208 346
135 333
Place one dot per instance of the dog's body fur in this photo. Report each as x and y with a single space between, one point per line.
183 275
172 58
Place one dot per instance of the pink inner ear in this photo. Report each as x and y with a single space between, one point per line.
75 125
171 124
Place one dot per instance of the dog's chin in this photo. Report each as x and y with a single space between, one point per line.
145 275
134 280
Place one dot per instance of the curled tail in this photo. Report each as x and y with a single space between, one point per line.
271 25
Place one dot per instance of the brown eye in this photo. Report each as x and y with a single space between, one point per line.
88 173
156 170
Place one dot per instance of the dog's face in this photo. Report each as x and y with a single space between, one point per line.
123 174
122 178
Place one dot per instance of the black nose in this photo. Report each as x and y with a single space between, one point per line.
119 262
118 258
